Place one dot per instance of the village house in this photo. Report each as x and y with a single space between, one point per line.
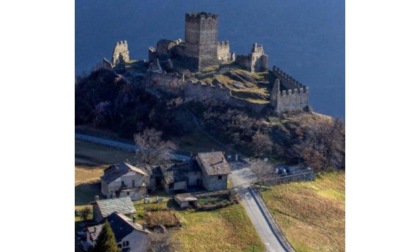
129 235
215 170
207 169
103 208
124 179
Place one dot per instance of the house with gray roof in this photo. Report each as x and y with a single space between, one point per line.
215 170
125 179
206 169
129 235
104 208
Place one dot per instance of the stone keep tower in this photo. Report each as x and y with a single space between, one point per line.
201 40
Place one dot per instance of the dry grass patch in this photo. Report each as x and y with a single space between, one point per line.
226 229
88 174
311 214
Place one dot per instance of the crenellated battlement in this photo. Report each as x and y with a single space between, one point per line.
257 48
302 90
223 43
121 53
199 16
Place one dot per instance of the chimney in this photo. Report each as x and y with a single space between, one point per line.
134 219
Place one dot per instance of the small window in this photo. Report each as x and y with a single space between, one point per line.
219 177
119 245
125 244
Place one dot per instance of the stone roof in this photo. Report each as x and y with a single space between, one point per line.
213 163
117 170
185 197
122 226
94 231
179 172
175 173
122 205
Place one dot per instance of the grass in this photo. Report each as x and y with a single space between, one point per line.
91 160
90 154
226 229
311 214
197 142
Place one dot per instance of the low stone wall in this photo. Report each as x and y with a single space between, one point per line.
224 197
307 176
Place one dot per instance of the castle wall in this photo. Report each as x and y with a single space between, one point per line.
292 100
223 51
287 93
120 53
243 61
170 83
202 92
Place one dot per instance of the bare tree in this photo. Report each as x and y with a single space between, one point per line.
324 145
151 149
162 242
262 170
261 144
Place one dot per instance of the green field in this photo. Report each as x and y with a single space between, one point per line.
311 214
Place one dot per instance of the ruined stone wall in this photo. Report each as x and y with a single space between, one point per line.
243 61
170 83
120 53
200 92
201 31
174 84
255 61
259 61
223 51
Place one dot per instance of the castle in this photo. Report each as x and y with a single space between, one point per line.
173 67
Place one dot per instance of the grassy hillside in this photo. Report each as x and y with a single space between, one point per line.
311 214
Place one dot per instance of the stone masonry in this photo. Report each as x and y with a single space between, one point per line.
201 39
287 93
121 53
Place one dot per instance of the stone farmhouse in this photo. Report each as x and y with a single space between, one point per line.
209 170
129 235
125 179
172 62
